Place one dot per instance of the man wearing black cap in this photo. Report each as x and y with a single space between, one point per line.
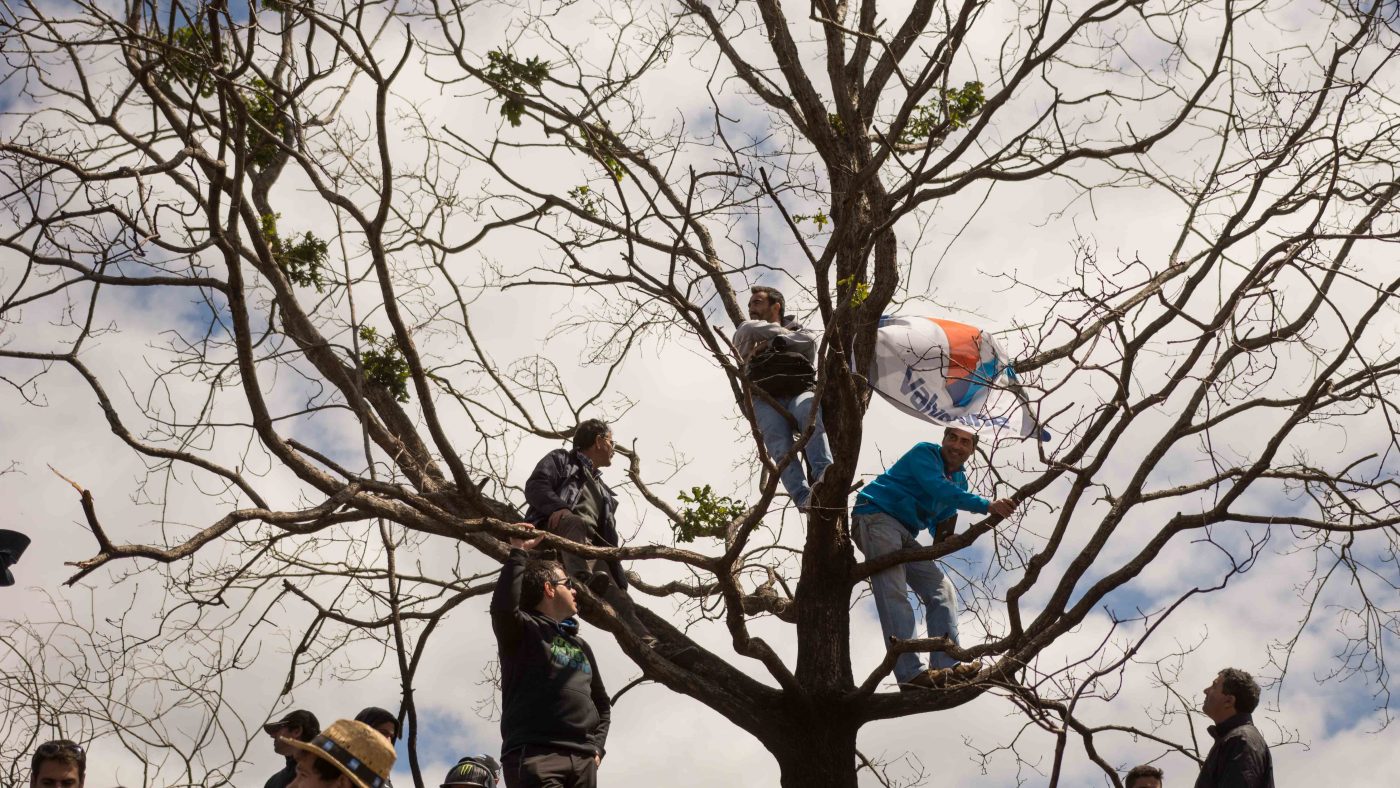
298 725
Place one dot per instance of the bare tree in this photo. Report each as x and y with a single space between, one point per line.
271 167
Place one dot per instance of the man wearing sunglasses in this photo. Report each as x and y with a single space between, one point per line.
58 764
554 708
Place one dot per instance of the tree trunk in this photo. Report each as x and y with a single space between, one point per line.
816 748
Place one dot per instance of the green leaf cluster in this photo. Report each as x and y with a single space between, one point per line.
384 364
586 198
859 290
819 219
511 77
706 515
264 138
951 111
302 260
188 58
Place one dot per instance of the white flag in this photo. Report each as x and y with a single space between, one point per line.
947 373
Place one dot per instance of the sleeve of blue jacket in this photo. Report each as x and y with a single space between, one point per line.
943 493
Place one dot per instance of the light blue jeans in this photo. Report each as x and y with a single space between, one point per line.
779 437
879 534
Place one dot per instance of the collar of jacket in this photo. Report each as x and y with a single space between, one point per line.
1217 731
568 626
586 463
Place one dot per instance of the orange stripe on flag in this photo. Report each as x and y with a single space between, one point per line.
964 342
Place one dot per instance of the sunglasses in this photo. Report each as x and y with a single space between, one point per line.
567 582
51 748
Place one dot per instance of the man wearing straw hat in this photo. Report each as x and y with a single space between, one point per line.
348 754
554 708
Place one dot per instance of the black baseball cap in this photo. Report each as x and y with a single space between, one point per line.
297 718
478 771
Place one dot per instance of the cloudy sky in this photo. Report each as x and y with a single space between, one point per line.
673 404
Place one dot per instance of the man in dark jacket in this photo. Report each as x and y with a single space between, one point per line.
298 724
554 708
567 496
1239 758
780 359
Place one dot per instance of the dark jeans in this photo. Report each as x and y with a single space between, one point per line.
598 575
534 766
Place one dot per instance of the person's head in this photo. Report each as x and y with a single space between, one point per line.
1233 692
381 720
766 303
297 725
58 764
594 439
348 754
958 446
545 587
473 771
1143 776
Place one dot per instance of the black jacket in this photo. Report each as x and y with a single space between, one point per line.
1239 758
551 691
557 483
283 778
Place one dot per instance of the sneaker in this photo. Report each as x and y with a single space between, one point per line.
966 671
932 678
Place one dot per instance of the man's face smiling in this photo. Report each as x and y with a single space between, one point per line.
958 446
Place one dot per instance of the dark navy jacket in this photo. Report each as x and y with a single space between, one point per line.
1239 758
557 483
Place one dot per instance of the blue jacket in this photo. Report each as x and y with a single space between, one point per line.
918 492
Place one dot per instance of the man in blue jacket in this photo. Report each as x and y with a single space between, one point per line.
923 490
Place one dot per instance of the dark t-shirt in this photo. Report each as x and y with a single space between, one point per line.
590 504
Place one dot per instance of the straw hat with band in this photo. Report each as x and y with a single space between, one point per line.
356 749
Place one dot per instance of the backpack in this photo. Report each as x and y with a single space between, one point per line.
782 373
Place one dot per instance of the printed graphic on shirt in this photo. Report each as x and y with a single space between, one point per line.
566 655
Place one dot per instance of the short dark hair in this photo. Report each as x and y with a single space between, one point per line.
1138 772
588 432
61 750
773 294
538 571
1242 687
